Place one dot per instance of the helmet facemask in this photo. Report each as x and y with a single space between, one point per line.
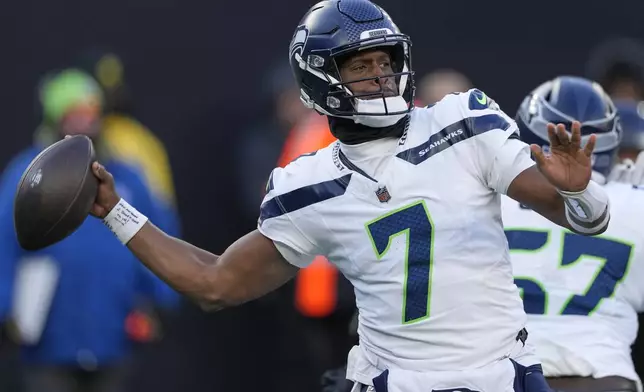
379 108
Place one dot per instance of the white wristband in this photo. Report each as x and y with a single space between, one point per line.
124 221
588 211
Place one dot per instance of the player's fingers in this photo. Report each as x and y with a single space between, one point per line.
590 145
96 169
552 135
562 135
575 139
538 155
100 172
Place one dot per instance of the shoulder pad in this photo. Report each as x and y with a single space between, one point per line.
302 183
478 100
301 171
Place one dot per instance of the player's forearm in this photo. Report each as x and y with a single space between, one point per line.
531 189
186 268
248 269
585 212
552 207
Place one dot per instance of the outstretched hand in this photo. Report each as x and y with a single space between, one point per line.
568 166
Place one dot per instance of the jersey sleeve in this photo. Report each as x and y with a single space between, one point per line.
282 222
500 155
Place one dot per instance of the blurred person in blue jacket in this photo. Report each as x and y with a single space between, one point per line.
96 282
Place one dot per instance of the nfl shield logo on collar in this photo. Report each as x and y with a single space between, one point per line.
383 194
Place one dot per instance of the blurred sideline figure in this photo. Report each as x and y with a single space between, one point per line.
435 85
322 296
126 138
70 302
261 144
618 65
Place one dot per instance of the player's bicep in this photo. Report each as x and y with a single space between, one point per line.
289 241
511 160
268 257
501 156
250 268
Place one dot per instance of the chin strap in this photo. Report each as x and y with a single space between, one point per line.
348 132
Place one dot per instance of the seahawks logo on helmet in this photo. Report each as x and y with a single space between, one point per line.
299 40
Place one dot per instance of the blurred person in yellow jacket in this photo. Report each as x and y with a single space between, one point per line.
261 143
82 339
126 138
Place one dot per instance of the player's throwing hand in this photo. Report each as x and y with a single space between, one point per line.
568 166
106 197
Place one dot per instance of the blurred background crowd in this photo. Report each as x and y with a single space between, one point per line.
191 105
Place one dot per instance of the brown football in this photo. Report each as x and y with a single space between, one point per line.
55 193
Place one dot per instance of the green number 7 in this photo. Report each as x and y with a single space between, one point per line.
414 222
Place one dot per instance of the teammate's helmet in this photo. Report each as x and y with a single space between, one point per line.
566 99
330 32
631 114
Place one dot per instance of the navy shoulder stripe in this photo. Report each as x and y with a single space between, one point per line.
452 134
303 197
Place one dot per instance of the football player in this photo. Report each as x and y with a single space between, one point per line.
631 151
407 204
581 293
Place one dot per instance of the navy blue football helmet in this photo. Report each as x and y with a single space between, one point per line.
566 99
631 114
330 32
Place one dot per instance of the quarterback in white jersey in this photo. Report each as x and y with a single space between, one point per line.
408 206
406 244
581 294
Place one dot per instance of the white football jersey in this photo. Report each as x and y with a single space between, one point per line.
581 293
418 233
